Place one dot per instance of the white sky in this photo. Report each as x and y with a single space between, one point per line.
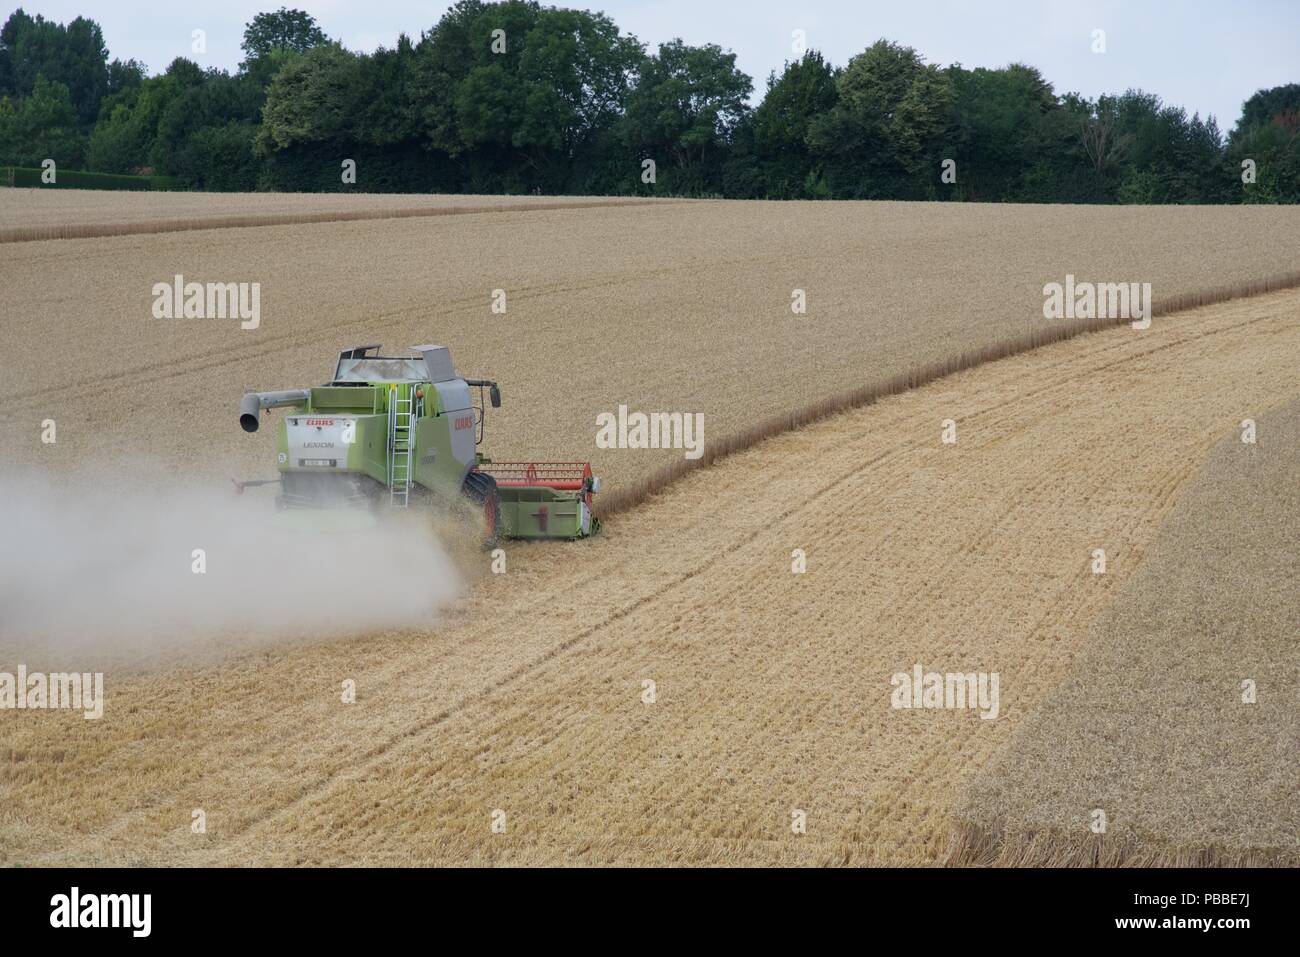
1205 55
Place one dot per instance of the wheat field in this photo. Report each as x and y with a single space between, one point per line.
1179 722
663 307
771 689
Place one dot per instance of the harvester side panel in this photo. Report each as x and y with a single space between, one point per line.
458 415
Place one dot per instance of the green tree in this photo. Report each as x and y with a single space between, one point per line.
1005 129
119 142
42 126
316 98
576 70
443 58
73 55
884 132
1098 138
1267 134
151 125
123 138
124 76
219 158
285 29
804 91
686 104
214 102
1279 105
518 94
1164 156
388 113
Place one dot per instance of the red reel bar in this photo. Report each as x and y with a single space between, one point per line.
562 476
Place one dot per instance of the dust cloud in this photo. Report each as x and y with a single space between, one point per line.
113 569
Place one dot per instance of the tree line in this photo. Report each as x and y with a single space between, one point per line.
515 97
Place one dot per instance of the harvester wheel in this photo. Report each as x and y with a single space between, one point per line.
481 489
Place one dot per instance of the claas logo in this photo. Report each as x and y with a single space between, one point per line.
465 422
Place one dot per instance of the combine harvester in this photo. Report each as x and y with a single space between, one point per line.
389 432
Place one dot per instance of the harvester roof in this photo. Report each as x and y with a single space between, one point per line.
364 364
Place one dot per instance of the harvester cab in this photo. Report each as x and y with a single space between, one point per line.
392 431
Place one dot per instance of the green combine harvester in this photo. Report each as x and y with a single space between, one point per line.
390 432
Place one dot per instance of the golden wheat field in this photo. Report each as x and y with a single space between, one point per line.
670 691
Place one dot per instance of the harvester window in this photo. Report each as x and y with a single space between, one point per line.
380 369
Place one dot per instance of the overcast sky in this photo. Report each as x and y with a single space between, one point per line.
1205 55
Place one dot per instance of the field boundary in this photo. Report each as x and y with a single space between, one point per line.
621 500
29 177
28 234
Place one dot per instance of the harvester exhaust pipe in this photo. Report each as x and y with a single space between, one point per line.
254 402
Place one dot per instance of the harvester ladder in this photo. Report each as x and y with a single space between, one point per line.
401 425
